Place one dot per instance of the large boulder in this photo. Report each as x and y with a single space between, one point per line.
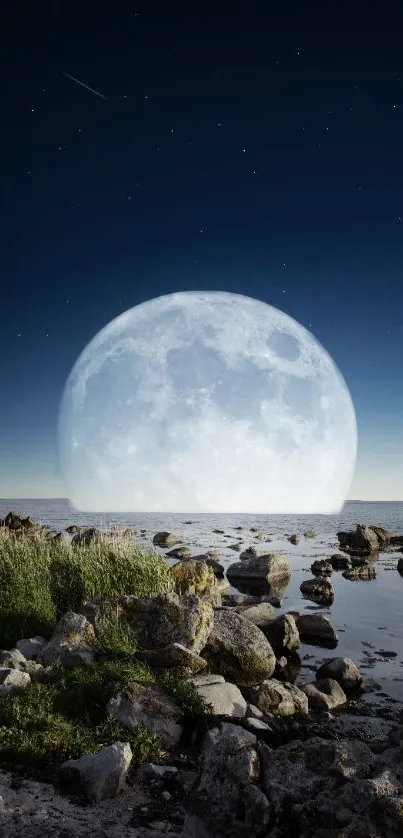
73 642
149 706
226 802
99 776
238 650
31 647
159 621
279 699
260 568
364 539
195 578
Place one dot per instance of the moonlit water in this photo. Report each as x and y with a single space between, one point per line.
209 401
362 612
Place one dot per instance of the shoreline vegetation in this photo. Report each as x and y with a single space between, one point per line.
119 668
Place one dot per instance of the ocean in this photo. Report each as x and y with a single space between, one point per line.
367 615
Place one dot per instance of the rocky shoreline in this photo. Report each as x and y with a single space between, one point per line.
271 756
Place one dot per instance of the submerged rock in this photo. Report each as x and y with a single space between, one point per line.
318 589
321 568
316 629
365 539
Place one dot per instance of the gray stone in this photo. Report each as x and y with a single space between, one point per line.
318 588
325 694
225 699
31 647
148 771
14 659
13 681
205 680
256 724
178 657
282 634
321 568
342 670
100 776
339 562
166 539
275 698
259 614
150 706
73 642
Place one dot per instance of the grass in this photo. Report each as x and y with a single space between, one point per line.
65 716
41 580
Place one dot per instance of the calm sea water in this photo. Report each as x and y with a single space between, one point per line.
368 616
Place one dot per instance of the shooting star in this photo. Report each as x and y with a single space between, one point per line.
87 87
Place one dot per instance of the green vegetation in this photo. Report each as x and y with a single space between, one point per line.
41 580
64 716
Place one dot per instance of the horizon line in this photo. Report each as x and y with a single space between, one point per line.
60 497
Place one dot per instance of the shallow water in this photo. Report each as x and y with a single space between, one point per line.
368 616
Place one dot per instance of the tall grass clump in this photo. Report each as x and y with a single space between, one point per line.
42 579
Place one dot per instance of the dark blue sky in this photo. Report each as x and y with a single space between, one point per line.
261 154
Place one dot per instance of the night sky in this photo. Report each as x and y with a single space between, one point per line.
259 154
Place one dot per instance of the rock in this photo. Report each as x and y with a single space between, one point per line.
244 600
157 622
316 629
266 567
100 776
61 537
310 534
364 540
73 641
256 724
342 670
325 694
253 712
150 706
225 699
282 634
251 553
211 561
13 681
294 539
400 566
259 614
206 679
229 764
74 528
339 562
195 578
238 650
288 667
396 540
166 539
177 657
237 547
318 589
148 771
13 659
219 532
31 647
275 698
321 568
365 572
36 671
180 552
91 535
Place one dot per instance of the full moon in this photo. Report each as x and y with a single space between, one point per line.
206 402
